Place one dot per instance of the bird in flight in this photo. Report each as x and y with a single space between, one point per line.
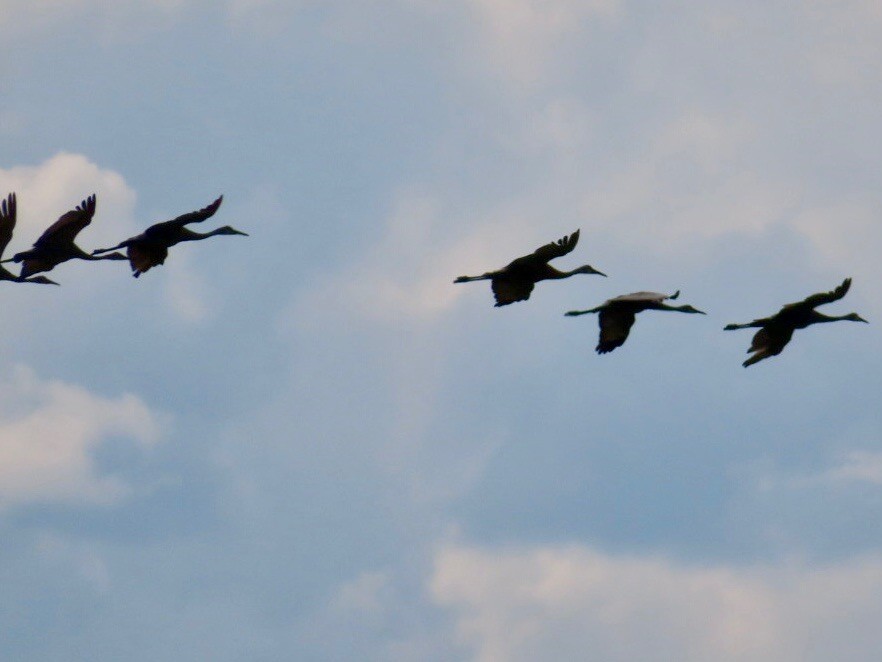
56 244
515 281
776 331
617 315
7 225
150 248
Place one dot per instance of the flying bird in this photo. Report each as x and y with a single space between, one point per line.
7 225
515 281
56 244
617 315
150 248
776 331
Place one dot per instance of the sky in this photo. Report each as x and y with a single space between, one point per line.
308 444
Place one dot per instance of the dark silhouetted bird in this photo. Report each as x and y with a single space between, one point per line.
150 248
56 244
7 225
515 281
776 331
617 315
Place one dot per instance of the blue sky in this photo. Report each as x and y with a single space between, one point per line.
309 444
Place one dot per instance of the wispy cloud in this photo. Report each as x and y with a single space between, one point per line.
49 432
576 603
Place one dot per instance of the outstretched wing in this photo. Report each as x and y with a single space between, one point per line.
822 297
556 248
647 297
159 229
143 255
65 229
7 221
507 290
615 325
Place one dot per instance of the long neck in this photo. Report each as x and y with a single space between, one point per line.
192 235
820 318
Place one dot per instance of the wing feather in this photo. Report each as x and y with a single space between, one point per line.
822 297
7 221
556 248
64 231
615 325
143 255
191 217
507 290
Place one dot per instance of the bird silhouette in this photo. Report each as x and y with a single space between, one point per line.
617 315
56 244
776 331
7 225
515 281
150 248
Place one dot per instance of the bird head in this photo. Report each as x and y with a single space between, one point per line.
226 229
690 309
854 317
588 269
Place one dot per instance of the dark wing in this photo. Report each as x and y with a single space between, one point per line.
614 328
556 248
772 337
66 228
143 255
822 297
161 229
507 290
7 221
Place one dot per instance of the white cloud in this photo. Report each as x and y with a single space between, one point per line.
49 431
46 191
570 603
862 466
690 183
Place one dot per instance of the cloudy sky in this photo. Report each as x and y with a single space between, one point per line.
309 444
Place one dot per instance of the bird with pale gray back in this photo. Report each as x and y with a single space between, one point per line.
618 315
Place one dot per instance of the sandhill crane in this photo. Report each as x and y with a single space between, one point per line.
617 315
150 248
7 225
775 331
56 244
515 281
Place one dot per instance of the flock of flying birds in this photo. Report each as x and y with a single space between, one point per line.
515 281
57 243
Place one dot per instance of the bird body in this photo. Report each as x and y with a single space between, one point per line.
776 331
150 248
617 315
515 281
56 244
